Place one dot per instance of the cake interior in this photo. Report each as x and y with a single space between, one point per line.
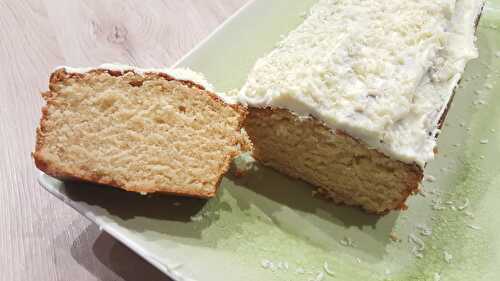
144 133
346 170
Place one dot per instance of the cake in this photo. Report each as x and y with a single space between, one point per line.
353 99
142 130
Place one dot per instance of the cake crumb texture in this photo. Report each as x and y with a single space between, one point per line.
140 132
346 170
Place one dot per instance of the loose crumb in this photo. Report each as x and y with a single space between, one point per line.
484 141
437 277
430 178
394 237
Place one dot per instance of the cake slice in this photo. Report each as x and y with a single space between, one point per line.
353 99
141 130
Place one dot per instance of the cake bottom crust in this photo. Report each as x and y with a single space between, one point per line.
341 167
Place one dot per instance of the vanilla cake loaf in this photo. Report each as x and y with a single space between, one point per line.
142 130
353 99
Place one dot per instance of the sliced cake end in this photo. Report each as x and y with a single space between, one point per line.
142 131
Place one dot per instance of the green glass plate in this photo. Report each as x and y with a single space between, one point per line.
265 226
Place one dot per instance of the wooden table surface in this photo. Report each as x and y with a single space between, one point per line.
40 237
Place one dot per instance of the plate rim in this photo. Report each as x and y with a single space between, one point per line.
161 266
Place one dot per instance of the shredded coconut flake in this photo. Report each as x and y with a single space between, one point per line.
320 276
197 218
437 277
464 205
327 269
424 230
418 245
484 141
475 227
348 242
447 257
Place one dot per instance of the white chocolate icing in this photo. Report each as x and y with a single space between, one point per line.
177 73
383 71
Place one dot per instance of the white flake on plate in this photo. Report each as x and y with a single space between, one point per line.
285 265
280 265
464 205
387 271
497 54
469 214
475 227
327 269
437 205
197 217
266 264
418 245
319 277
483 141
447 257
437 277
481 157
300 270
462 124
488 86
424 230
358 260
143 193
346 241
492 130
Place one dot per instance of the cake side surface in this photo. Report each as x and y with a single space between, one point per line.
343 168
144 132
355 112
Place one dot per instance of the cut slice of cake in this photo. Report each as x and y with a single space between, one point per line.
353 99
142 130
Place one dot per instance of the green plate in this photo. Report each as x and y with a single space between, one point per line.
265 226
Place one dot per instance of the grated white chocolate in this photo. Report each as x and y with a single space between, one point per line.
383 71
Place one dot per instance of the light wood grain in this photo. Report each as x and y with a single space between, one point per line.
40 237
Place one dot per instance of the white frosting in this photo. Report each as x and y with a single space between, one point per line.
177 73
383 71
